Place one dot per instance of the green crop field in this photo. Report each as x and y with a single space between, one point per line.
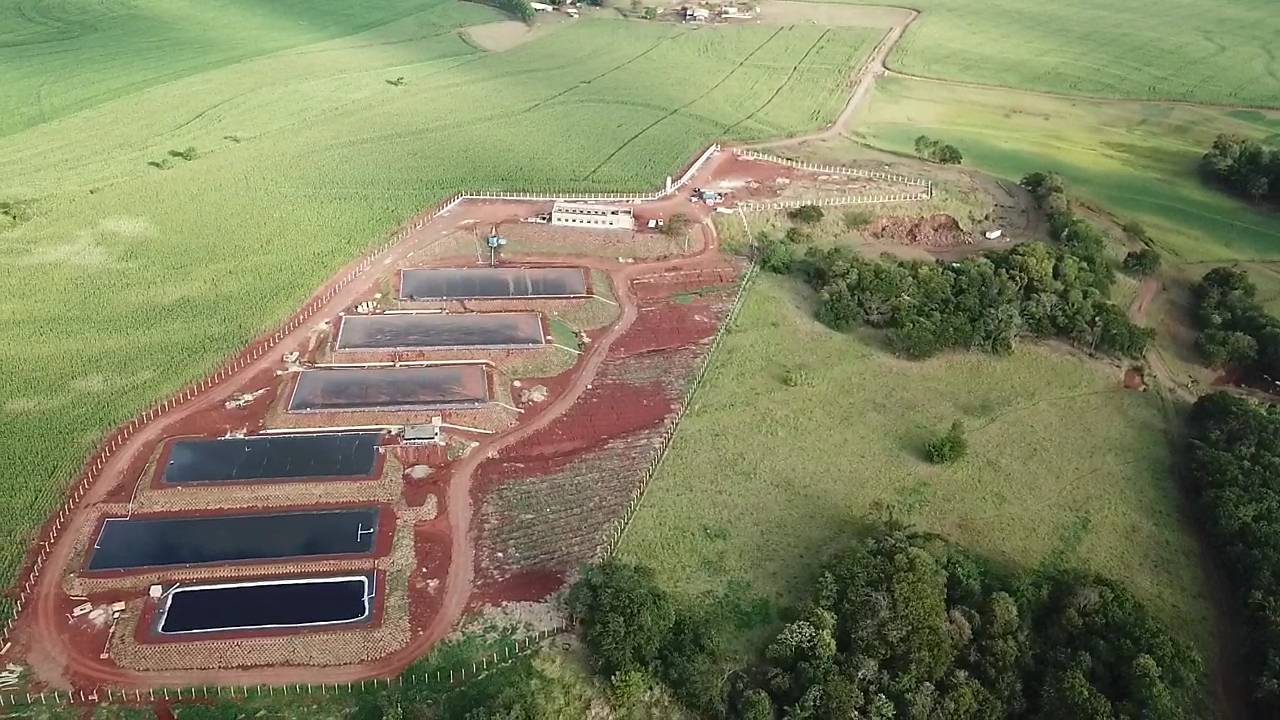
317 126
763 480
1221 52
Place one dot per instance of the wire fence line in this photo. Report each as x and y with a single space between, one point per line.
601 197
440 678
752 206
836 169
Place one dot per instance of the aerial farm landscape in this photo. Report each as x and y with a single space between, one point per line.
601 359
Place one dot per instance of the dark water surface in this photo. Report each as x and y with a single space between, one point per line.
149 542
271 457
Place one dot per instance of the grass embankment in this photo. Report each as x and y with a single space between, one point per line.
763 479
316 127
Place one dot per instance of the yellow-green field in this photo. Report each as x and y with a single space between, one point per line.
764 480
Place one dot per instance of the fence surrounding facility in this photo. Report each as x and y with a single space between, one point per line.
440 678
93 467
596 197
751 206
837 169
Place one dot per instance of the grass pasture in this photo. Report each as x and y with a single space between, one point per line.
763 480
1135 160
317 127
1219 52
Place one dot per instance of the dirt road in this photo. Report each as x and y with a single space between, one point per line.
864 80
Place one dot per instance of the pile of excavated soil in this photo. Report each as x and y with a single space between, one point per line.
936 231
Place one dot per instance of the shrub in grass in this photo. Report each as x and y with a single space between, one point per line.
677 225
796 377
856 219
1136 230
948 447
807 214
187 153
775 254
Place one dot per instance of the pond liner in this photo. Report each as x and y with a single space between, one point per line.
438 330
158 541
270 457
490 283
390 388
267 604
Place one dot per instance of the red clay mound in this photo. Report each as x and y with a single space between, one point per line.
936 231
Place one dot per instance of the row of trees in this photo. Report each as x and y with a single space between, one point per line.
1244 166
980 303
910 627
1234 328
1233 473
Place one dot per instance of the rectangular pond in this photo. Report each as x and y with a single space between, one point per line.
267 604
443 283
392 388
473 330
144 542
271 458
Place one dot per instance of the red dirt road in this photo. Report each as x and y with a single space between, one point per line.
44 638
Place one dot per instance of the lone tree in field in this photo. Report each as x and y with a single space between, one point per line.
948 447
1142 262
807 214
938 151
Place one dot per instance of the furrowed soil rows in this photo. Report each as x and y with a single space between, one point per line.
547 504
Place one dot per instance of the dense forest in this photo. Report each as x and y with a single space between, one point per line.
1244 166
903 625
981 303
1233 450
1234 328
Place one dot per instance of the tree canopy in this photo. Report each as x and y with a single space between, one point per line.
938 151
1244 166
1233 449
1234 328
902 625
980 303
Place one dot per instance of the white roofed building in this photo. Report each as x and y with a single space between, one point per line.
583 214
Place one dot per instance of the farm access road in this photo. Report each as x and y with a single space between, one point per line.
59 661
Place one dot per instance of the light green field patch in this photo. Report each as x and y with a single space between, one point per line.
1220 52
1063 462
1136 160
